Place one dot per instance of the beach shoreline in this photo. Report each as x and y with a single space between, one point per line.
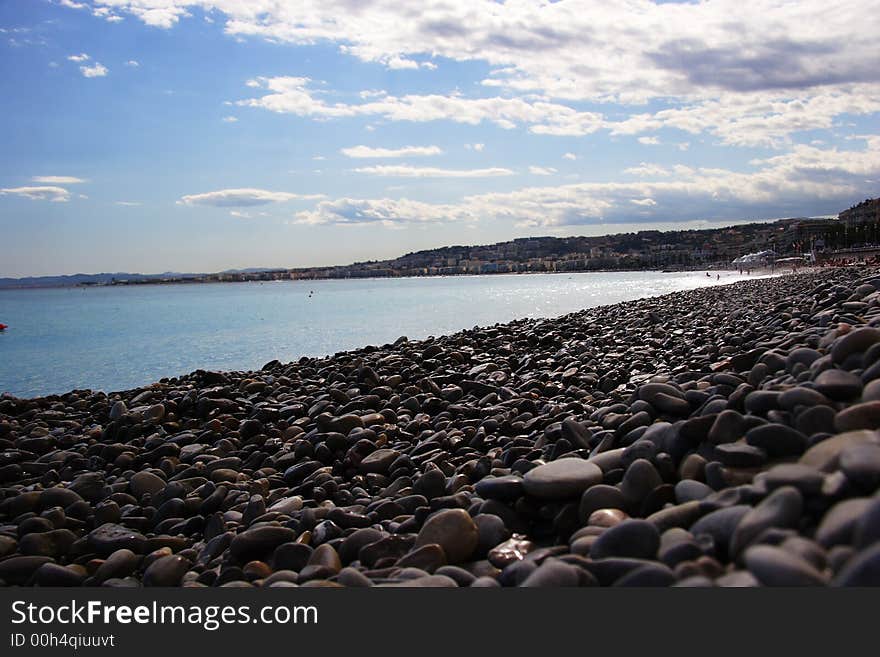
718 436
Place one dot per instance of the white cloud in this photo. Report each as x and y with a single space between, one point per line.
235 198
98 70
404 151
70 4
387 212
542 171
133 63
47 193
230 119
570 156
688 55
475 147
294 95
649 141
805 180
82 57
646 169
58 180
130 204
403 171
758 118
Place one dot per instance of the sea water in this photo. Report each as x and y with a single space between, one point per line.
121 337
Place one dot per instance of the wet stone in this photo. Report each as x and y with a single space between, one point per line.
511 550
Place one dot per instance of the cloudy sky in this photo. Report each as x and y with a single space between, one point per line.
200 135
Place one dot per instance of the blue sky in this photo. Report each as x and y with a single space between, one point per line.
200 135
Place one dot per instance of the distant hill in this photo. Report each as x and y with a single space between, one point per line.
643 249
73 280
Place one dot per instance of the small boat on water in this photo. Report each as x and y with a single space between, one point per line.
3 327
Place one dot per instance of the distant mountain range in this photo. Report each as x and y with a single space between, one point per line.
73 280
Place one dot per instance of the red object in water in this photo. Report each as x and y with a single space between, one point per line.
3 327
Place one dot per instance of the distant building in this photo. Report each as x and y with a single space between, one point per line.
866 212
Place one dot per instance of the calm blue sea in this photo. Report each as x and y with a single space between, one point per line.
116 338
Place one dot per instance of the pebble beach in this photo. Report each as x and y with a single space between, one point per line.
724 436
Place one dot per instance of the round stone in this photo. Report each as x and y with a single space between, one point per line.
19 569
606 517
562 478
600 496
142 483
824 456
638 539
166 571
863 569
555 573
379 461
121 563
782 508
259 541
720 525
491 531
839 385
688 490
506 488
801 396
839 523
773 566
110 537
454 531
640 478
778 440
728 427
854 342
650 575
867 530
806 479
858 416
53 574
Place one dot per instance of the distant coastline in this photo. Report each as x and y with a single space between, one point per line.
844 239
